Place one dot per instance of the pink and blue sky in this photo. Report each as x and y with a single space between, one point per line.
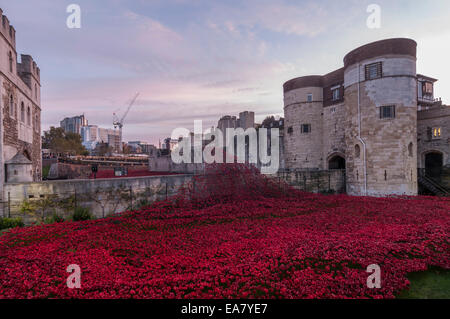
202 59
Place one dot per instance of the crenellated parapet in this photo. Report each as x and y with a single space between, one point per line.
7 31
28 70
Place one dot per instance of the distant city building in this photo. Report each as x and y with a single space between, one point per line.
91 135
139 147
74 124
246 120
170 144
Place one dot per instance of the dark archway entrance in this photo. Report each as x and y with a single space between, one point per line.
336 162
433 164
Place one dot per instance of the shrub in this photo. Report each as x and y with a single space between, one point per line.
6 223
81 213
54 219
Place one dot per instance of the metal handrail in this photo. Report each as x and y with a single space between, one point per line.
422 173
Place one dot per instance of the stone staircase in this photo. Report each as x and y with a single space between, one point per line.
432 185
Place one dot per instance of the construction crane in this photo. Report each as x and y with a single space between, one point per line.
118 123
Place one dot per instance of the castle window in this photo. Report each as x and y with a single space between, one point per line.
437 131
28 116
36 123
309 97
305 128
290 130
387 112
35 91
336 94
427 89
357 151
374 71
22 112
10 62
410 149
11 106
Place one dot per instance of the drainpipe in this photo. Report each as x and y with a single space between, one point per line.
359 131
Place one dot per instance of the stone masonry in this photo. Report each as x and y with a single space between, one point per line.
20 110
364 119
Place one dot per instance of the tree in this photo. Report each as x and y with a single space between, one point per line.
60 142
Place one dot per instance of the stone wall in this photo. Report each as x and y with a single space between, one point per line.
303 150
380 153
334 117
391 169
437 116
165 164
315 181
20 131
99 195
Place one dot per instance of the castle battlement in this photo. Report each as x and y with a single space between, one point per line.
28 69
20 93
7 30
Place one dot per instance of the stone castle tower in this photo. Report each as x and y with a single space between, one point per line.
20 111
361 118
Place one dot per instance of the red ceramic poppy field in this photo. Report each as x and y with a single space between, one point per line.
246 239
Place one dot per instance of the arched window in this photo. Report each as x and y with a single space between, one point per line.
410 149
10 62
11 106
357 151
35 91
22 112
28 116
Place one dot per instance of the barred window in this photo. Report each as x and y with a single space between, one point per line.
437 131
305 128
427 88
387 112
336 94
374 71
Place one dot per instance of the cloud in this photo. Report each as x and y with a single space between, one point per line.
200 58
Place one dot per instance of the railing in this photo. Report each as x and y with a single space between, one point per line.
431 181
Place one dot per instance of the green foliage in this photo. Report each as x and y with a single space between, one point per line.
6 223
57 140
431 284
82 213
45 171
27 207
53 219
